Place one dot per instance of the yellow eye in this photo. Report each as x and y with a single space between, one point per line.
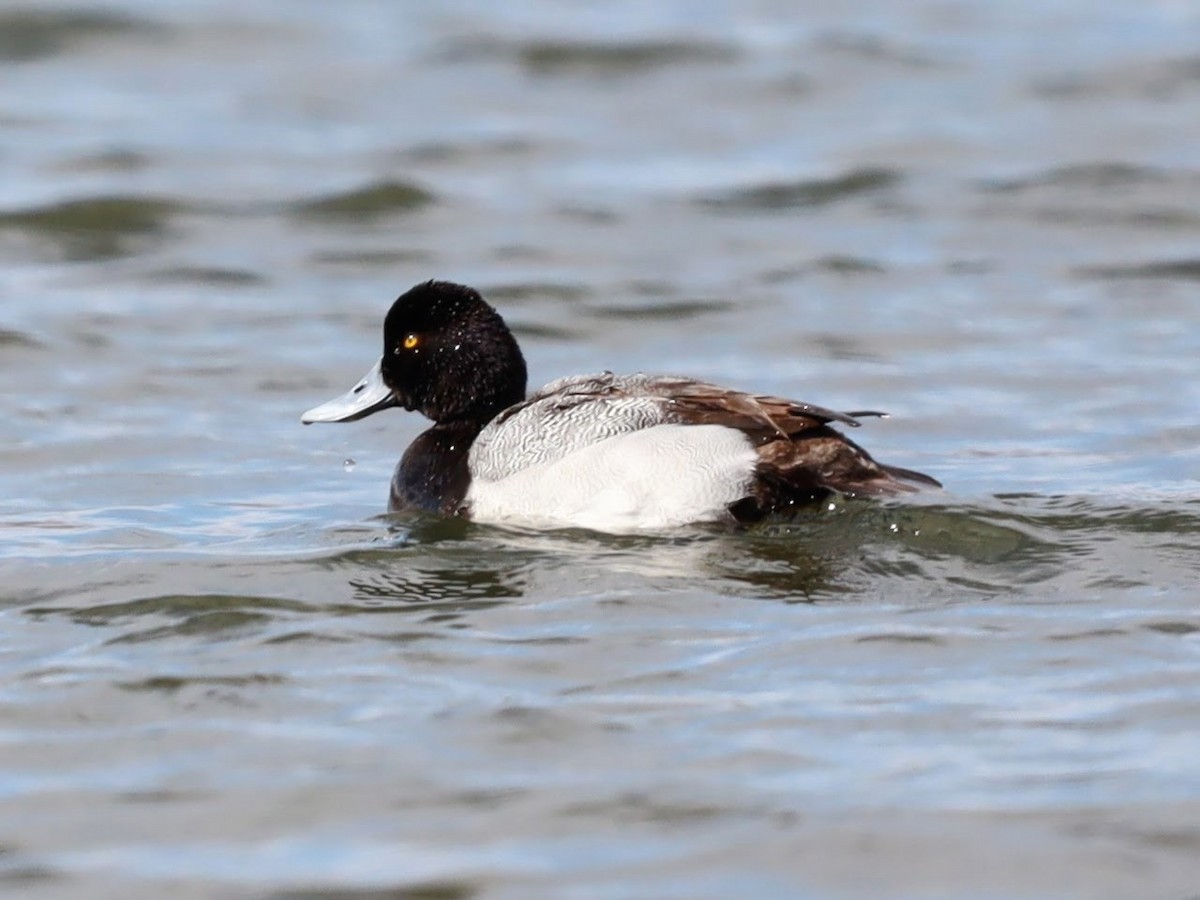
411 341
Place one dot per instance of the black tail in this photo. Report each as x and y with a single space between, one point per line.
918 478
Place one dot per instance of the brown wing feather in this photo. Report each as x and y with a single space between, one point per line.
827 459
801 458
701 403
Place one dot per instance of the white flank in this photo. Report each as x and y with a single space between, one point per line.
659 477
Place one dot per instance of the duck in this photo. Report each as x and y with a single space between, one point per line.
604 452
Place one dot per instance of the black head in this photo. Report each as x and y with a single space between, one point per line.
449 355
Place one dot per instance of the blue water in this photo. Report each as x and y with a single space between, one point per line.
225 672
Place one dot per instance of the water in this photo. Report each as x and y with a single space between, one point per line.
224 673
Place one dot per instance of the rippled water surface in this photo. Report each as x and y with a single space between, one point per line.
224 673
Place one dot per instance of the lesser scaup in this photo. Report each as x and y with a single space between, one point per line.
606 452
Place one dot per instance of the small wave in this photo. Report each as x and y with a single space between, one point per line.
356 260
810 192
1154 78
212 616
18 340
1115 194
212 276
1083 176
516 292
551 56
96 228
28 34
1174 269
372 201
663 309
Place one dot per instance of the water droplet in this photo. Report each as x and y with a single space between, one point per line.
349 465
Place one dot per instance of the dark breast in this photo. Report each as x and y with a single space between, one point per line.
432 475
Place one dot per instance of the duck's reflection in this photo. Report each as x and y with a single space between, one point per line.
448 567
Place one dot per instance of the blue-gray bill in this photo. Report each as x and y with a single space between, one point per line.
370 395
